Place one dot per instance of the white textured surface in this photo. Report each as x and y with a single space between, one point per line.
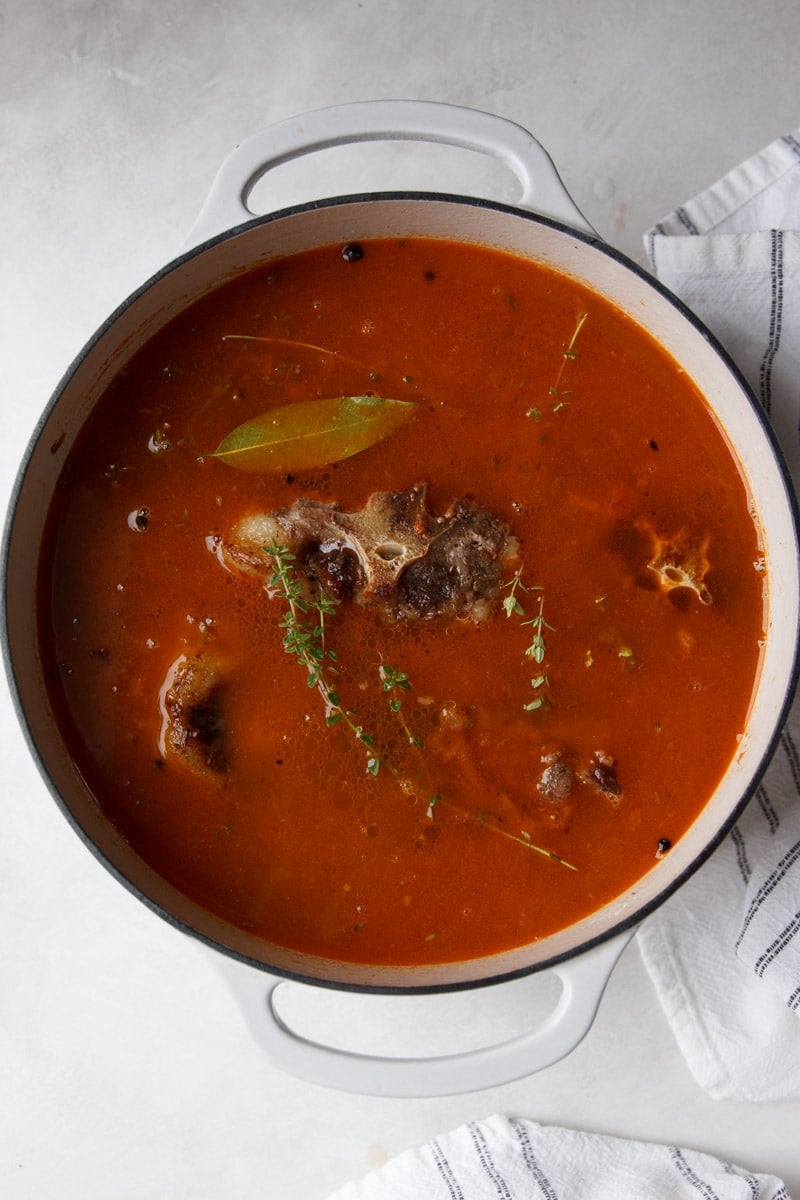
127 1071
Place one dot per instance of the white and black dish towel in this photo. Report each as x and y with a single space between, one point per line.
724 951
504 1158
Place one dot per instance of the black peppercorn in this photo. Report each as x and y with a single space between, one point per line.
352 252
664 844
139 519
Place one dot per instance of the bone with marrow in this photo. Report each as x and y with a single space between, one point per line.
393 553
679 562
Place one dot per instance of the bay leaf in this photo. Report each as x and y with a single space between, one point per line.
312 433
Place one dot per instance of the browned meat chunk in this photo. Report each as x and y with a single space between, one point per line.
393 553
561 768
192 722
460 568
555 781
602 773
338 570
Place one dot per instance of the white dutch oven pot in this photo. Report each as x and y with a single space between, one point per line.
546 227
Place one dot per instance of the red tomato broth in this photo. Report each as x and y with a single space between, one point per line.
296 841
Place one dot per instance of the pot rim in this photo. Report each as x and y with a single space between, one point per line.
645 908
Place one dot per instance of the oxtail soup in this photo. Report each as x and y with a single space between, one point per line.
402 602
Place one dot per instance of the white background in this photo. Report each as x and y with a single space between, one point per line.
127 1071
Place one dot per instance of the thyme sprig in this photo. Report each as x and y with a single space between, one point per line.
304 629
568 354
525 840
283 341
304 637
537 648
395 680
293 343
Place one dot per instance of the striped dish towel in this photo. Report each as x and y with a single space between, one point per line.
502 1158
724 951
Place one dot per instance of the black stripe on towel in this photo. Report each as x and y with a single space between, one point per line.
446 1171
791 141
775 318
794 999
767 808
789 859
741 853
686 221
752 1182
531 1161
485 1159
793 758
690 1176
651 244
780 943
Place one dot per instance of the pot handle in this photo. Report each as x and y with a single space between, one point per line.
583 980
384 120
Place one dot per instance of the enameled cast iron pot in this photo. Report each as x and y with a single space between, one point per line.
545 227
